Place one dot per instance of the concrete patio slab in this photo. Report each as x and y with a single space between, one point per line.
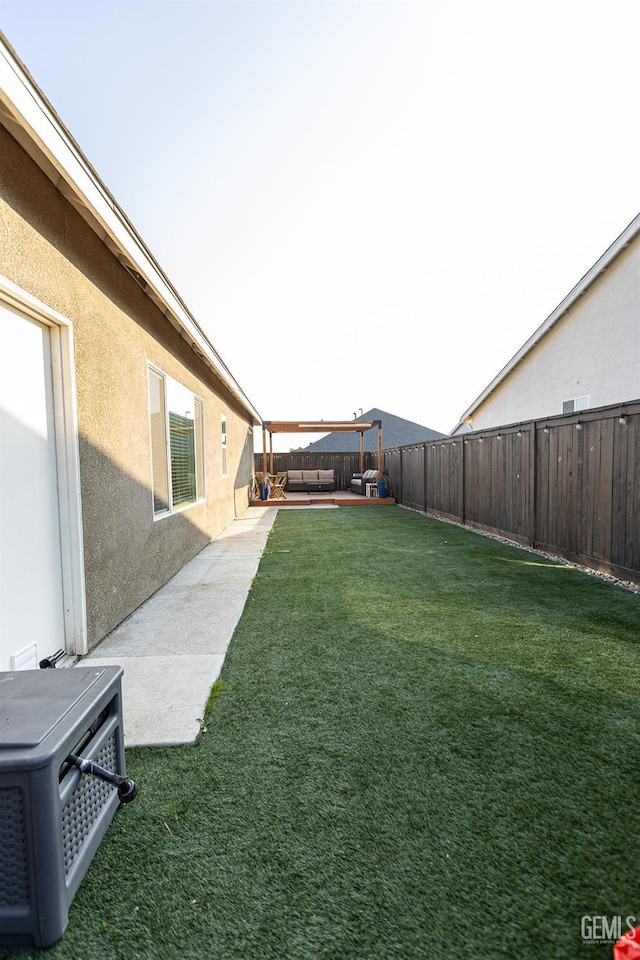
173 646
164 698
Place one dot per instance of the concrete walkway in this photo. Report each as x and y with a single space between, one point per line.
173 646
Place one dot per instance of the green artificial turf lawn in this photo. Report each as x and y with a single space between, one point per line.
424 745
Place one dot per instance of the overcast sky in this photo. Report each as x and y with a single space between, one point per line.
363 202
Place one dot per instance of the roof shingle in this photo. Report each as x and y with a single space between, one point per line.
396 432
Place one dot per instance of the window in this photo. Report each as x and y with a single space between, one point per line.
225 448
177 444
578 403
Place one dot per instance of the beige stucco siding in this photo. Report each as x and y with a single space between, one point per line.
593 350
48 250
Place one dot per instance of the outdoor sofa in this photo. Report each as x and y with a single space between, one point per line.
359 481
310 481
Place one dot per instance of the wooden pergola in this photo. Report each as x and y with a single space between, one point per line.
318 426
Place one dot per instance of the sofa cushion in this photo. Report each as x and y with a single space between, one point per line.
369 475
310 475
294 474
325 474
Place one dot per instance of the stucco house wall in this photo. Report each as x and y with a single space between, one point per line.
48 250
591 350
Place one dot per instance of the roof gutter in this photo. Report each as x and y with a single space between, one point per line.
31 119
579 290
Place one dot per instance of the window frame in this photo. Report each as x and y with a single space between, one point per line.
577 404
224 443
165 380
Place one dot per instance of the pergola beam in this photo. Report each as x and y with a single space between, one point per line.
319 426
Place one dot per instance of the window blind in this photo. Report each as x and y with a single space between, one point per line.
177 444
183 461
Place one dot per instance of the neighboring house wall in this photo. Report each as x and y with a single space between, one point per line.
592 350
48 250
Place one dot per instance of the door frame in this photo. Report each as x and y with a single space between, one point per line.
65 417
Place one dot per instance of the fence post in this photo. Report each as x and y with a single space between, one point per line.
424 462
463 517
533 485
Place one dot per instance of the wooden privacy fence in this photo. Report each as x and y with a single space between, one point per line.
569 485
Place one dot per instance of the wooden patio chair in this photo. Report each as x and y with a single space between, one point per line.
258 478
277 487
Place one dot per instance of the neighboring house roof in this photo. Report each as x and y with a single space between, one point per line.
396 432
32 121
605 261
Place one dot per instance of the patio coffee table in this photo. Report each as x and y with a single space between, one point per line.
319 486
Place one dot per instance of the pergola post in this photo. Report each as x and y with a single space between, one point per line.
318 426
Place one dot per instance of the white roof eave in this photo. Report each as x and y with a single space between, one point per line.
33 122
